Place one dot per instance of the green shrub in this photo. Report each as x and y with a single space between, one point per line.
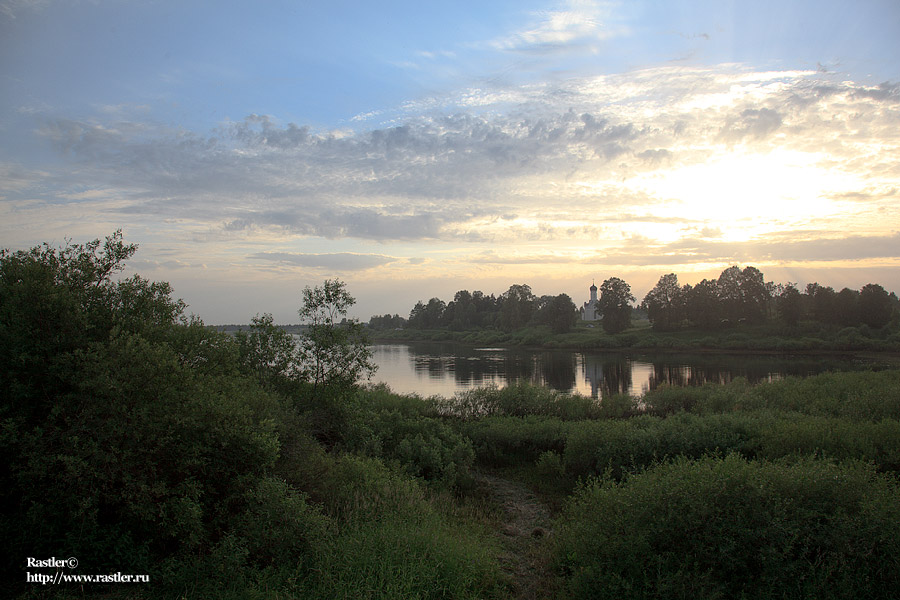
279 526
519 399
516 440
728 528
549 464
617 406
423 446
391 541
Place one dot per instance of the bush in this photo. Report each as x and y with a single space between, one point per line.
392 542
516 440
519 400
549 465
729 528
422 446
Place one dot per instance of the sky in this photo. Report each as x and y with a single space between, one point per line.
413 149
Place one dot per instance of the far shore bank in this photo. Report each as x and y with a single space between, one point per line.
853 341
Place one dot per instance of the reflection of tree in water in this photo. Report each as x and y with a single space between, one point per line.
478 366
472 366
607 374
520 366
669 374
616 377
558 370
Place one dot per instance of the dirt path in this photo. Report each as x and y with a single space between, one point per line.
526 525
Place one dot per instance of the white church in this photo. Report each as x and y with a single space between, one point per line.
591 309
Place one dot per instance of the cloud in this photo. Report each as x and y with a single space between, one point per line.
753 123
638 251
340 261
566 159
772 248
12 8
491 257
580 22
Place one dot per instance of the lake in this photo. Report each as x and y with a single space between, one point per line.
444 368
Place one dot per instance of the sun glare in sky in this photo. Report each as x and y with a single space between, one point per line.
745 193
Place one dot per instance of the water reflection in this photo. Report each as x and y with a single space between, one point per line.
429 368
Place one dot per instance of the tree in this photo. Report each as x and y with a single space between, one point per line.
516 307
730 295
615 304
874 305
754 295
665 304
460 313
129 436
846 308
743 294
267 352
789 304
559 312
821 301
387 321
703 306
333 352
427 316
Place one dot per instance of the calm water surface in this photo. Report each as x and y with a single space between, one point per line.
430 368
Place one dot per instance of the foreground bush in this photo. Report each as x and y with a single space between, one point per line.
128 436
399 430
391 541
729 528
139 441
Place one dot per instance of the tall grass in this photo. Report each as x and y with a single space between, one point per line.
392 542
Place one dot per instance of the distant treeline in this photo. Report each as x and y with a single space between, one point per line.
736 296
514 309
743 296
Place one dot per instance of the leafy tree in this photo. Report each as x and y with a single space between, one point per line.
754 295
267 352
874 305
387 322
427 316
559 312
517 306
615 304
486 309
730 294
128 435
332 352
821 301
789 304
846 308
665 304
703 307
743 294
461 313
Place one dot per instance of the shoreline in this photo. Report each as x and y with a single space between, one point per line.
732 348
